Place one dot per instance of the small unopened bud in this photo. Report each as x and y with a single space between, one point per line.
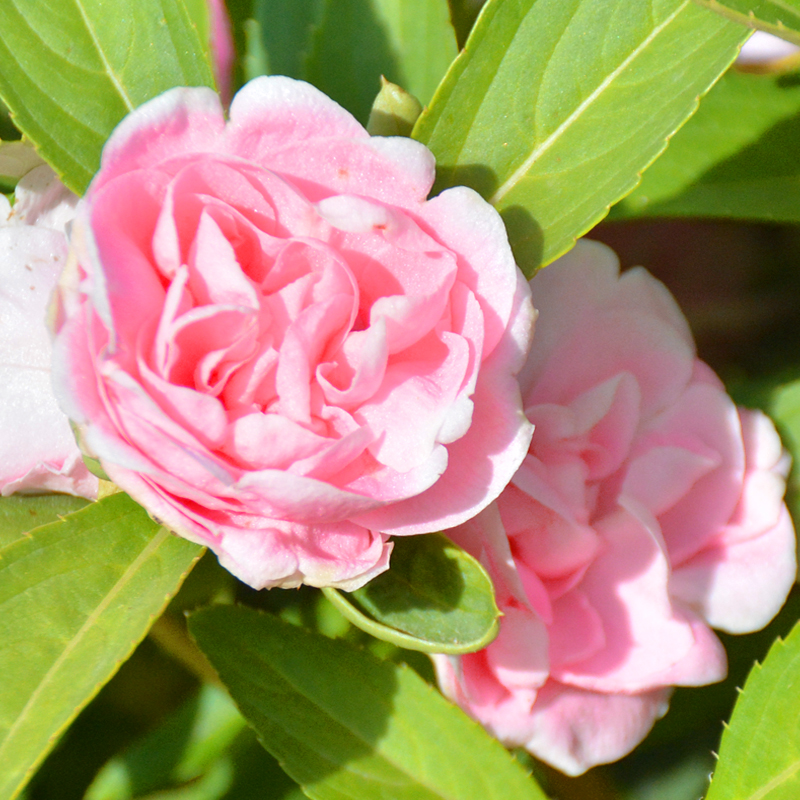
394 111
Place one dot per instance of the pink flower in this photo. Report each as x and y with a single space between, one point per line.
647 511
223 54
275 344
37 449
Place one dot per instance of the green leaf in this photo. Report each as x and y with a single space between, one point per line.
759 757
199 16
410 42
344 724
785 409
726 163
75 598
286 27
22 513
556 106
780 17
70 71
436 598
184 748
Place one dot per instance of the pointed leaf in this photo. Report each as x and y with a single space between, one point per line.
556 106
759 757
436 598
70 71
410 42
22 513
344 724
76 596
724 163
780 17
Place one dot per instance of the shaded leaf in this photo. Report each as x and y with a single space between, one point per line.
436 598
759 757
70 71
286 27
556 106
725 163
184 748
410 42
75 598
344 724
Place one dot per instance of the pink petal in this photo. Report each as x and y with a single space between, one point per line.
741 585
481 463
576 632
284 554
627 587
178 122
125 298
704 423
222 49
551 545
216 277
359 369
484 537
415 399
292 128
474 230
518 657
606 325
575 730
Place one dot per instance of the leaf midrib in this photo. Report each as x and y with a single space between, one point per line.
791 770
511 182
354 731
100 52
73 643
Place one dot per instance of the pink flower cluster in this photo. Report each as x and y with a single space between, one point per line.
278 346
647 511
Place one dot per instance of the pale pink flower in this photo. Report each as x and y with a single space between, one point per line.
223 53
763 48
647 511
37 449
278 346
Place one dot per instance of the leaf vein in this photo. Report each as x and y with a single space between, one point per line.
109 69
521 171
148 550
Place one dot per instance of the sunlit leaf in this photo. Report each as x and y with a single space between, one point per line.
556 106
70 71
759 757
20 513
75 598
